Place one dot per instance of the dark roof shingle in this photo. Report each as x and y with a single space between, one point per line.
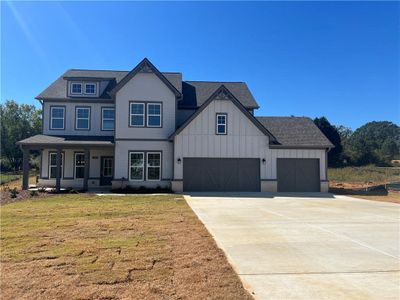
41 139
58 89
195 93
295 132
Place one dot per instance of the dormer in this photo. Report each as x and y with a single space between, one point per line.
83 88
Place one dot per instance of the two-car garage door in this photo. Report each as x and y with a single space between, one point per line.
221 174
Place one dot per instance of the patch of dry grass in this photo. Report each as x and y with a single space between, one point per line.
367 174
90 247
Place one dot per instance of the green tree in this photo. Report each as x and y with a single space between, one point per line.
17 122
374 143
330 131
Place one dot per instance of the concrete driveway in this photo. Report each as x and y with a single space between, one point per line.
307 248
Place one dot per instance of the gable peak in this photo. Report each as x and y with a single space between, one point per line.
145 66
223 94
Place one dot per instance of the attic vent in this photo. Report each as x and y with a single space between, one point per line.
222 95
146 68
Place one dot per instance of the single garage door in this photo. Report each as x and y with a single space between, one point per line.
298 175
221 174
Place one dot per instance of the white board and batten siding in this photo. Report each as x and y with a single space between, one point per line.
243 140
198 139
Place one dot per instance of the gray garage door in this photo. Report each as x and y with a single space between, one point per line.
221 174
298 175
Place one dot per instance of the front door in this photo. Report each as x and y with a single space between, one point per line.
107 167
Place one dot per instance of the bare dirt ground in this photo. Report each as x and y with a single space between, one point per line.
110 247
355 189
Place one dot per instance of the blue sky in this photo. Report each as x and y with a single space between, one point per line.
333 59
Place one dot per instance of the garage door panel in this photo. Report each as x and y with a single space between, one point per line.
286 175
298 175
221 174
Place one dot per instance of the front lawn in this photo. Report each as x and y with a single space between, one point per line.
111 247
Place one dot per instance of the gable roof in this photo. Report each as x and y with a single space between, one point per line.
196 93
193 93
146 66
58 89
295 132
222 93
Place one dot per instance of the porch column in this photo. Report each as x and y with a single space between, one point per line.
87 168
58 170
25 168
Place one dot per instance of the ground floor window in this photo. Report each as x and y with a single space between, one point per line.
53 164
136 165
153 165
79 165
144 165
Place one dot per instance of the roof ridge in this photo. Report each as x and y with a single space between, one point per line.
102 70
214 81
277 117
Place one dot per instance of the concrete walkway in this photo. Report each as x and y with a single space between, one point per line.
307 247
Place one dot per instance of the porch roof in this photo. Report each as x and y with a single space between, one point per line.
49 141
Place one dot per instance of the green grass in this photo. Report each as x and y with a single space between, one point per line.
364 174
5 178
87 233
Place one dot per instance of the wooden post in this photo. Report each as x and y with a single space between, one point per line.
87 168
25 169
58 170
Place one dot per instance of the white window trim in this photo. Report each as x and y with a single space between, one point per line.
71 89
153 115
58 118
224 124
77 118
107 119
131 114
130 166
147 166
55 166
95 88
75 166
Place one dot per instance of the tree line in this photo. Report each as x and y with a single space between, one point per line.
373 143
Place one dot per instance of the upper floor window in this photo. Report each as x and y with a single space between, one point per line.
154 114
107 118
221 123
136 114
76 88
83 88
82 118
143 114
57 117
90 88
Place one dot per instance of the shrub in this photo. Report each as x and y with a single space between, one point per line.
14 193
34 193
41 189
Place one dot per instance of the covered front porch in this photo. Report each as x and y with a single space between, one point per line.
70 162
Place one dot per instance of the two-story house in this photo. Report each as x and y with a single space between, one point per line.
146 128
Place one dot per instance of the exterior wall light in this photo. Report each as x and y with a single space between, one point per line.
179 160
264 161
